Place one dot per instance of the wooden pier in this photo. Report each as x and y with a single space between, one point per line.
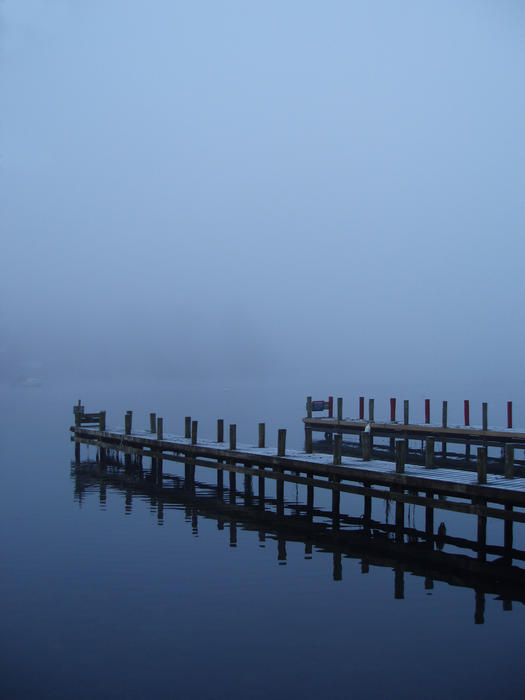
479 493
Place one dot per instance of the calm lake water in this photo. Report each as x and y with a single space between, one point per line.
112 593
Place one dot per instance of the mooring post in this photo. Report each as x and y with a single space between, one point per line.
220 430
308 441
233 486
127 422
233 436
262 434
445 414
308 406
400 456
337 449
194 428
509 461
485 415
261 487
361 408
427 411
371 410
429 453
405 411
160 428
392 410
509 414
187 427
336 502
339 409
78 410
366 449
152 422
281 442
482 465
466 411
102 420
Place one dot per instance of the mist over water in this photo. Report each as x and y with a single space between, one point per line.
215 209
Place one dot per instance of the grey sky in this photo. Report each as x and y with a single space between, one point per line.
263 185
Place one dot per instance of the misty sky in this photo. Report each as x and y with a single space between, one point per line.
259 187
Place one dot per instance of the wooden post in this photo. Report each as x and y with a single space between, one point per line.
308 441
127 422
509 414
262 434
466 410
336 502
152 422
427 411
337 449
405 411
361 408
445 413
261 488
187 427
220 479
400 456
160 429
308 406
392 410
77 452
485 416
371 410
279 488
194 426
310 500
281 442
429 453
366 449
482 465
509 461
339 409
102 420
220 430
233 436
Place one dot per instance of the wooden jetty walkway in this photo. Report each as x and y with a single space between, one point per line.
429 434
481 494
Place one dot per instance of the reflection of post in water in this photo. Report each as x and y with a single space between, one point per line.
233 486
429 522
129 502
160 512
337 571
507 536
281 550
194 522
367 513
261 536
307 550
233 533
479 614
399 583
77 452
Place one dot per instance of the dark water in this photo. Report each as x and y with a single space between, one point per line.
113 592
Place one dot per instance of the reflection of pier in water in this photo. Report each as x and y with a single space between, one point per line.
374 543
